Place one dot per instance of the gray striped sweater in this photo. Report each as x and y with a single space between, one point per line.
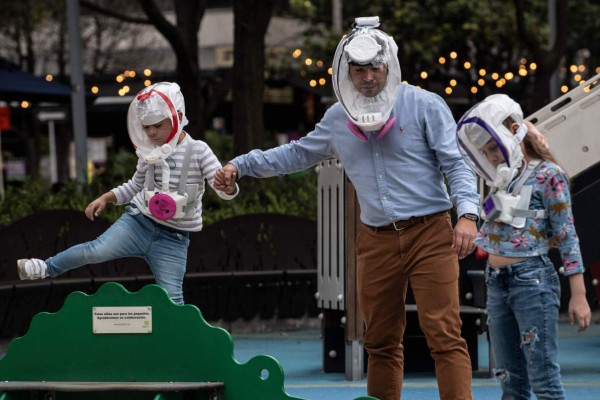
203 165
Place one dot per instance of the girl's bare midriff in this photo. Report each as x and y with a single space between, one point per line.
502 261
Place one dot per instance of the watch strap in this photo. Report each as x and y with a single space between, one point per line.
470 216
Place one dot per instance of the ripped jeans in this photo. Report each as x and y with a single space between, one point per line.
523 301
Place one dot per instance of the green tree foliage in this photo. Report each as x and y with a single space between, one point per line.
495 36
295 194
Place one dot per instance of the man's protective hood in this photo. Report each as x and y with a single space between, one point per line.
151 105
369 46
484 122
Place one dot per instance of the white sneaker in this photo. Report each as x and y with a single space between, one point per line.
32 268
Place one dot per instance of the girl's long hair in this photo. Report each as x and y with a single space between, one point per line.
534 150
532 147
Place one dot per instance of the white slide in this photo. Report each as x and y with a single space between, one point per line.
571 124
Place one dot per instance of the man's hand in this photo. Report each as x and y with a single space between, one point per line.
464 234
225 179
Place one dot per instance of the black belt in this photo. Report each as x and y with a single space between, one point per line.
168 228
405 223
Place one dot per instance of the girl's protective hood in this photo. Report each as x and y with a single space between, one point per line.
485 122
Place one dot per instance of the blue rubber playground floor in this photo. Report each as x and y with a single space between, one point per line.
300 355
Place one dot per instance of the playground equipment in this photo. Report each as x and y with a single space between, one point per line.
116 344
570 124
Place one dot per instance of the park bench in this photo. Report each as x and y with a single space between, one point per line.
118 344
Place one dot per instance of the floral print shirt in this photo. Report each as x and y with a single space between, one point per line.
551 193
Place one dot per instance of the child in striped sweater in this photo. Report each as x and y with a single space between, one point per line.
164 196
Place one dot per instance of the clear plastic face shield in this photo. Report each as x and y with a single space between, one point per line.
494 152
487 144
376 53
158 102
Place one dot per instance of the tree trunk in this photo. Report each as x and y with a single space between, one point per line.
64 137
251 20
189 16
183 39
548 61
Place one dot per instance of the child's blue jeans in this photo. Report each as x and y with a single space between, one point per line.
523 301
133 235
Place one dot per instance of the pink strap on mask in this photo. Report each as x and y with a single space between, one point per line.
386 128
361 135
174 116
356 130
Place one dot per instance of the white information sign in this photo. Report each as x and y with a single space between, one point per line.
122 319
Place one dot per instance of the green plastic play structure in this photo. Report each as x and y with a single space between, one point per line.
116 344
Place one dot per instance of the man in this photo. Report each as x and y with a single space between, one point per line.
396 142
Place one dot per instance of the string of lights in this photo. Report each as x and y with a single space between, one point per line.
308 67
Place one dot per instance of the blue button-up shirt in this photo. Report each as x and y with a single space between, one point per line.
396 177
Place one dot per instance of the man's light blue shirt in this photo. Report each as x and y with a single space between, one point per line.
397 177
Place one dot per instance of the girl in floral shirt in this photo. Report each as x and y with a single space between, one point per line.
523 288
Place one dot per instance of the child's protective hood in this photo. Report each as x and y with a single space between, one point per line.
151 105
485 122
